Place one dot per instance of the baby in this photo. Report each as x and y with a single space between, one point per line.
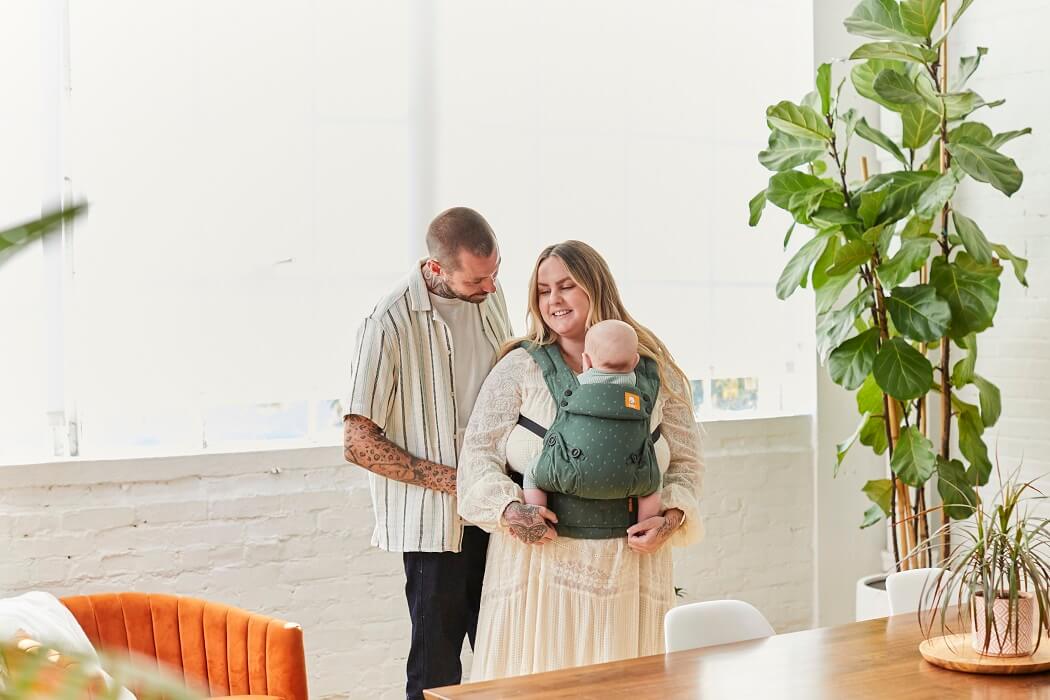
610 356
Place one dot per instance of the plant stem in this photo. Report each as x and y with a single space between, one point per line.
838 161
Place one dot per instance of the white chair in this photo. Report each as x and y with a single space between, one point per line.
714 622
906 589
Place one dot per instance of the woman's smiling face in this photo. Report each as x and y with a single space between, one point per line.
564 306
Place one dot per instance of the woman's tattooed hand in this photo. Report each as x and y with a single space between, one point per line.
530 523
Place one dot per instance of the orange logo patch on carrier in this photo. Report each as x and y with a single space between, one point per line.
632 401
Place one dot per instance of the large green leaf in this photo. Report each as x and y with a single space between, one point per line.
872 516
896 89
972 237
920 16
902 189
918 313
984 164
863 76
880 492
971 291
824 87
957 494
937 195
787 151
869 397
851 256
835 217
913 253
963 372
958 105
829 292
820 267
834 326
842 448
913 458
895 51
1020 264
878 19
971 445
918 124
798 267
850 363
967 66
1007 136
902 371
756 205
870 206
870 133
974 132
917 227
991 401
798 121
874 435
31 230
785 187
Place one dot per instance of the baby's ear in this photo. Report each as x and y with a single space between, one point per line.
637 359
587 362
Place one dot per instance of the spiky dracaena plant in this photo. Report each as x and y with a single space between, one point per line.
1000 553
922 277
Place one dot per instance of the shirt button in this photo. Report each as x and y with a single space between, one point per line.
564 404
568 392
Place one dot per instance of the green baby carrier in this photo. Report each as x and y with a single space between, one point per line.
598 454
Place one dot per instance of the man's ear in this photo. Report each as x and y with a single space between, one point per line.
434 266
587 362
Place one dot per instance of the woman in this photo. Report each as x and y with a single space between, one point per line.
551 602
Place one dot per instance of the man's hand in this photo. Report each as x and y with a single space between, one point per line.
364 444
650 535
530 524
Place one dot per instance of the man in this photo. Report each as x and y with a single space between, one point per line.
421 357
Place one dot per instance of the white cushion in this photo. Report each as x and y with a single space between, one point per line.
42 617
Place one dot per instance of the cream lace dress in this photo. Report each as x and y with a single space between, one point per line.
569 602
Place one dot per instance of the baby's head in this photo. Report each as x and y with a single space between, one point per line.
611 346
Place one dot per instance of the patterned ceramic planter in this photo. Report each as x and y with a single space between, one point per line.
1005 639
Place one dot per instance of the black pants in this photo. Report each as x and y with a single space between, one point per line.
444 593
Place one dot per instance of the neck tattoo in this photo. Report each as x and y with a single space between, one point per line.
437 285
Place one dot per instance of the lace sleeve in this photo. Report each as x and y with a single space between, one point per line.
685 472
482 484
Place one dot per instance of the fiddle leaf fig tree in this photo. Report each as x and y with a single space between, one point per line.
905 281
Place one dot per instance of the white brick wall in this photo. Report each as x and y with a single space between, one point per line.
294 541
1015 354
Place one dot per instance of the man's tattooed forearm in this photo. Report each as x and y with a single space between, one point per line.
364 444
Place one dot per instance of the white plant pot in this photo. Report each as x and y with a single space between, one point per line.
872 599
1002 639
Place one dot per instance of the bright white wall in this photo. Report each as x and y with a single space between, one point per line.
1015 353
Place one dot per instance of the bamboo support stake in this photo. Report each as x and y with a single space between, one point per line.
946 402
902 519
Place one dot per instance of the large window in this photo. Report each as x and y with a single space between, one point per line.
261 171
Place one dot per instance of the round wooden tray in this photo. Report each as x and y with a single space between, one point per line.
955 653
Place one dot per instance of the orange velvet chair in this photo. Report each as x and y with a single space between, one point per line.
219 649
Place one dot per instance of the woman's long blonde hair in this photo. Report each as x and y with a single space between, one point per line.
589 270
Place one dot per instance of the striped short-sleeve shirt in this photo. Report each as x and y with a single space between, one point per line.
402 380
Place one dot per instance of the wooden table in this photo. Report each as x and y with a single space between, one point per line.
871 659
